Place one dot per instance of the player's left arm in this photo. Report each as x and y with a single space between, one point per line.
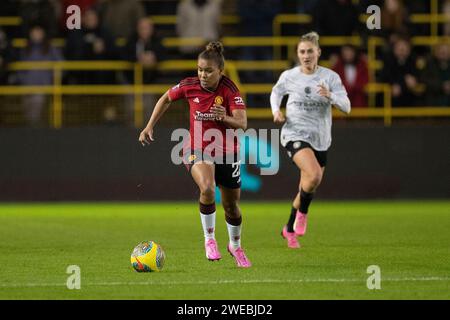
238 117
336 93
238 120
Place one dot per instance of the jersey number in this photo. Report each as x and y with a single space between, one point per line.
236 169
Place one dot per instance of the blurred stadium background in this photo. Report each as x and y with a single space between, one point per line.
72 102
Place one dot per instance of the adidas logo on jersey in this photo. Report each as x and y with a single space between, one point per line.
196 100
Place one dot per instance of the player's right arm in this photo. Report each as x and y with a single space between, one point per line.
175 93
162 105
278 91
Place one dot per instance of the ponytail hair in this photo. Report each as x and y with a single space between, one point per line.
214 51
312 37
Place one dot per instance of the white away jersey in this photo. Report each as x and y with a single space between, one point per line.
308 115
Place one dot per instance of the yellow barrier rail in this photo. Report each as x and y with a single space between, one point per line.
93 89
22 42
281 19
275 42
434 11
261 41
429 18
57 90
167 65
387 112
10 21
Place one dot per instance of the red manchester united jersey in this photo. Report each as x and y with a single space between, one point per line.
202 119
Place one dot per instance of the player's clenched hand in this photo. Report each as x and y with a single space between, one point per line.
278 117
219 112
146 136
323 91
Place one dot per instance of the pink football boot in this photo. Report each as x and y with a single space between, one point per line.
300 224
291 238
240 257
212 252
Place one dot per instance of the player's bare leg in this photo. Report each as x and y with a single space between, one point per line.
311 172
233 217
311 177
203 175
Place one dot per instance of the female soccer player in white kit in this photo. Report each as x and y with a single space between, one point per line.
306 133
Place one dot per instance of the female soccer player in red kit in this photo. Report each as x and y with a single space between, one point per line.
216 105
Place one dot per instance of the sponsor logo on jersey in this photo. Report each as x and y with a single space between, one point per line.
199 116
238 101
218 100
311 103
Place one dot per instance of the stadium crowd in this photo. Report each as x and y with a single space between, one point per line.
419 75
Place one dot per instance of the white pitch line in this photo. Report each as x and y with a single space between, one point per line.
255 281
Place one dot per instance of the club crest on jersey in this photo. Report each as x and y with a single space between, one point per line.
308 91
218 100
192 157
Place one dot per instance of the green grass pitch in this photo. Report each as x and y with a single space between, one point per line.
409 241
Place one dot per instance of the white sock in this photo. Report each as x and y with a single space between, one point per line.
209 225
234 232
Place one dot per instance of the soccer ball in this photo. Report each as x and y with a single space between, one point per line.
147 256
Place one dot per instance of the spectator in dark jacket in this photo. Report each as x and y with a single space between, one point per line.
335 17
436 76
144 47
4 57
255 15
446 11
401 72
42 12
120 16
91 42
